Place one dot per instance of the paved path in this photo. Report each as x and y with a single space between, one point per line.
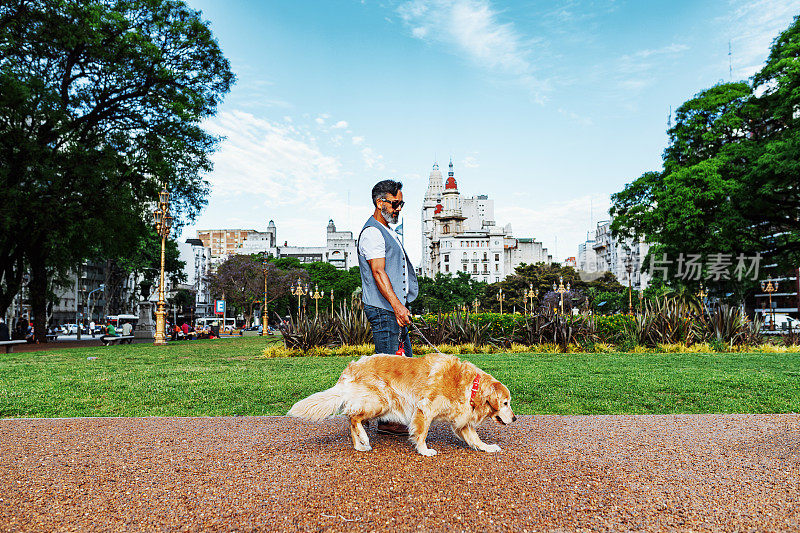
556 473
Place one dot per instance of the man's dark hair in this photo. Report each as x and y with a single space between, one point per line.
382 188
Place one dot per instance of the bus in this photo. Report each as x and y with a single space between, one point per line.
118 320
230 322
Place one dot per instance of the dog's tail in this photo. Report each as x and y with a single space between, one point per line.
320 405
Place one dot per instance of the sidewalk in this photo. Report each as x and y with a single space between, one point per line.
602 473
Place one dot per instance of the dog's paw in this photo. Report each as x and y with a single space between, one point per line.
492 448
428 452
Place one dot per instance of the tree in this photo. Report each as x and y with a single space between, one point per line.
446 292
729 183
240 281
100 103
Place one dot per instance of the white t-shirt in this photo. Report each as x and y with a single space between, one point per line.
372 246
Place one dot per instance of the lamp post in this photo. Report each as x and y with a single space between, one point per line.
163 223
331 302
561 290
102 287
629 269
317 295
79 305
530 295
264 327
299 290
641 300
476 303
702 295
769 287
500 299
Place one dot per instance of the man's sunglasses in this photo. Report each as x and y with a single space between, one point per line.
396 204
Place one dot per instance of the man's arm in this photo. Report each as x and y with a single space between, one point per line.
378 266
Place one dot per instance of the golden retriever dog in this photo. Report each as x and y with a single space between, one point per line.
414 392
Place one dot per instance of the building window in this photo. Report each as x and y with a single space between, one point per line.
496 267
474 268
484 256
497 257
497 279
446 269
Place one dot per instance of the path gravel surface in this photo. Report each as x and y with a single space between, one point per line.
555 473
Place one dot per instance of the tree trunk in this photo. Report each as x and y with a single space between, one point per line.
38 294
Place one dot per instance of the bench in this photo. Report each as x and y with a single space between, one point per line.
108 340
52 337
9 345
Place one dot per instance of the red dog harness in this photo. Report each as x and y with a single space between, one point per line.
475 386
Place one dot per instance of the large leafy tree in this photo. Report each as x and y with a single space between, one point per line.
100 103
446 292
729 180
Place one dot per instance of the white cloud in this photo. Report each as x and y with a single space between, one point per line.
752 25
322 118
470 162
371 159
278 161
473 28
358 140
340 125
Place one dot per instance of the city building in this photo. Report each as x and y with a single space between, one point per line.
339 249
587 258
460 234
616 256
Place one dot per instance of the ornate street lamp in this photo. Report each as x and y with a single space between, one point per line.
702 295
317 295
500 299
299 290
529 294
561 290
331 302
476 303
163 223
264 323
629 269
769 287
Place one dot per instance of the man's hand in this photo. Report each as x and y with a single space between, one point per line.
403 315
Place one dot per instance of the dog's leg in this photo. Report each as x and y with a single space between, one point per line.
419 432
359 435
472 438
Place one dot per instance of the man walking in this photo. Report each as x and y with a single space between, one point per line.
388 280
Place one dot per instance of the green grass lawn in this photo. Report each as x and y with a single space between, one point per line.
226 377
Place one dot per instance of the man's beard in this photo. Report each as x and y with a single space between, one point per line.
390 217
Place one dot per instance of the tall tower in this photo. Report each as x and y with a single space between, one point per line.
451 201
432 198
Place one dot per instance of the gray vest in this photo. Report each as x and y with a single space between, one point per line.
396 262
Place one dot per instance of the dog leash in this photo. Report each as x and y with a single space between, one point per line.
425 339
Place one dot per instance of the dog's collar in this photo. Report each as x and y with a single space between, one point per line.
475 384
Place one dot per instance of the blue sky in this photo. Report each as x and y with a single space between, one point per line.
547 107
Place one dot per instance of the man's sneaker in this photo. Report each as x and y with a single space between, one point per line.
392 428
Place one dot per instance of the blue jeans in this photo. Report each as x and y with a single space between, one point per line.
386 331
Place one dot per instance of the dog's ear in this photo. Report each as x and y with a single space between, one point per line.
493 395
